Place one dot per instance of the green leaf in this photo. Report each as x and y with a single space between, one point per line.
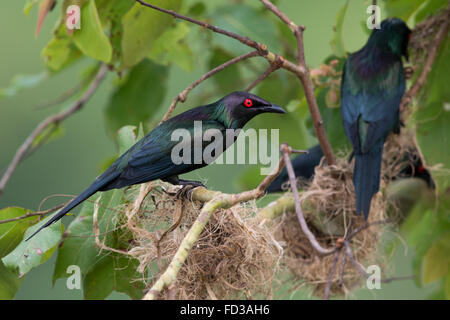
337 42
20 82
50 133
126 138
111 13
227 78
79 247
258 25
30 254
171 48
138 97
114 272
403 9
9 283
29 5
437 260
90 38
11 233
60 52
102 271
141 27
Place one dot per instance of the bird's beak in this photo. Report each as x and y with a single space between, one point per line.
273 109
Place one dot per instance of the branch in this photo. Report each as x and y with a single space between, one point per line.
298 208
32 214
299 69
326 295
274 66
52 120
305 79
431 57
213 201
182 96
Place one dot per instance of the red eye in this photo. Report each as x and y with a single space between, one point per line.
248 103
420 169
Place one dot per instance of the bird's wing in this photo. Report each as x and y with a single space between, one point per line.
153 158
370 113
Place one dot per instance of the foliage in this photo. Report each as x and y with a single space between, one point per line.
142 47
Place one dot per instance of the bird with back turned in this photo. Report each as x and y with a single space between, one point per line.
151 157
373 83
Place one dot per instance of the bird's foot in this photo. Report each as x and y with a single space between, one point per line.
188 187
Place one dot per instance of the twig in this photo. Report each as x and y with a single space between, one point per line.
54 119
182 96
32 214
99 244
296 30
348 252
326 294
299 70
298 209
305 79
431 57
63 97
213 201
365 226
272 67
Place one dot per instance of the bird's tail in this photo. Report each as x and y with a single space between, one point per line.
366 178
93 188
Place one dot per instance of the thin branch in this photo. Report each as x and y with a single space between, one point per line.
272 68
182 96
63 97
298 69
98 243
296 30
431 57
54 119
326 294
305 79
32 214
244 40
298 209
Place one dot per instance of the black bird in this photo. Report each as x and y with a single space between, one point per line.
373 83
151 157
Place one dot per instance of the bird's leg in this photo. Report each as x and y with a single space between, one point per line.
188 185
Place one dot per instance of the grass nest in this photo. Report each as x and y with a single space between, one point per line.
328 204
234 257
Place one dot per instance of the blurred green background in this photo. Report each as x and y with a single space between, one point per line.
67 165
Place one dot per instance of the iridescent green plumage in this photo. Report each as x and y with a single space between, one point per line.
151 157
373 83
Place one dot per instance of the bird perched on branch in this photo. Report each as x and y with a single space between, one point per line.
152 157
373 83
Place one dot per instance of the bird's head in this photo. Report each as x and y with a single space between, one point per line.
393 35
242 106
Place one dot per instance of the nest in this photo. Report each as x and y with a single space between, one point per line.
234 257
328 204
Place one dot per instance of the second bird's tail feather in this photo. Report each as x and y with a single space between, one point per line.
366 178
